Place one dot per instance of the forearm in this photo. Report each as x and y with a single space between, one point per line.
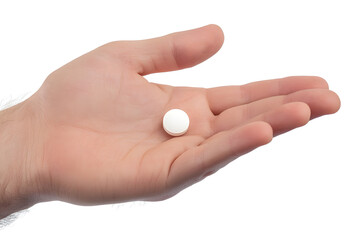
18 183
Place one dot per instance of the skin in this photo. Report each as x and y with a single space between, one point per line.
92 134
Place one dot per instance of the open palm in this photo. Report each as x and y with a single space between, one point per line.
102 119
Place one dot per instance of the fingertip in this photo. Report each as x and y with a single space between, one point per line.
333 102
214 26
259 133
309 81
300 113
328 103
214 36
265 132
320 82
192 47
218 32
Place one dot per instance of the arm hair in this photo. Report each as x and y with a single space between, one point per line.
4 105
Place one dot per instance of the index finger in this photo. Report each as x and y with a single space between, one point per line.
222 98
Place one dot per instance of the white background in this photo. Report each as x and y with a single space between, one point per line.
303 185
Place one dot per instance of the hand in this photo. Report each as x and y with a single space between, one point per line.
101 121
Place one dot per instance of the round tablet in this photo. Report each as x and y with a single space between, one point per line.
176 122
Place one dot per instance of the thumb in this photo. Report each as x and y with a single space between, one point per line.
174 51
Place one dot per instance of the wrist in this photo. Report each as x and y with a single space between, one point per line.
20 158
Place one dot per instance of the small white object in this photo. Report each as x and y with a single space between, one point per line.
176 122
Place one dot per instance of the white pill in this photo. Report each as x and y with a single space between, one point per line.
176 122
